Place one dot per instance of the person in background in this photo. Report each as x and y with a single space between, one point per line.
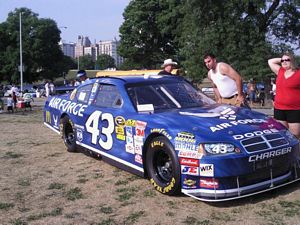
15 99
261 96
273 90
76 82
287 100
27 99
47 88
251 91
227 83
168 66
81 74
9 103
52 88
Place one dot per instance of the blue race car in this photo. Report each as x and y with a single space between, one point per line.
162 128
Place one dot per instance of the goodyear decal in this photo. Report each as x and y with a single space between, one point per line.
161 131
166 189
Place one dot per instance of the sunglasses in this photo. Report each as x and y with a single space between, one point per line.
285 60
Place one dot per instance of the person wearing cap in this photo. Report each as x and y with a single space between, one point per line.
168 66
81 74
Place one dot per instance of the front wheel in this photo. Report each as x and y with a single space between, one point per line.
163 166
68 134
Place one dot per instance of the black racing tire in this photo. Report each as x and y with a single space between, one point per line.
163 166
69 134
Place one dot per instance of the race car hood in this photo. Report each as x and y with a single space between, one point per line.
216 121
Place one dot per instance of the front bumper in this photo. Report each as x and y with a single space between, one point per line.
239 191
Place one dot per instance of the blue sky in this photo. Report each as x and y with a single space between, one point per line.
97 19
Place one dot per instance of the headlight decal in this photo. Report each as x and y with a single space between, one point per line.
219 148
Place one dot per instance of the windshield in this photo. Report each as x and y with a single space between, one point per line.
173 95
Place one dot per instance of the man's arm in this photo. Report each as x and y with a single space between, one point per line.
226 69
274 64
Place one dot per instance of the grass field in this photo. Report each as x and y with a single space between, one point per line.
42 183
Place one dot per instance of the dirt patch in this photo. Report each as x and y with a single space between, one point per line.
42 183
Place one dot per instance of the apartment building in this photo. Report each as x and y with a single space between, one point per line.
83 47
68 48
110 48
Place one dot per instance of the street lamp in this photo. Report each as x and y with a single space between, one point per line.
21 58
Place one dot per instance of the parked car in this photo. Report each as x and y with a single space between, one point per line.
162 128
63 89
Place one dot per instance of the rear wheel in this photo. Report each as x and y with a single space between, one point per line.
69 134
163 166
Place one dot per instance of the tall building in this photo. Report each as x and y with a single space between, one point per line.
110 48
82 42
68 48
92 51
83 47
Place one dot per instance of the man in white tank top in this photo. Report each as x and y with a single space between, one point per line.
227 83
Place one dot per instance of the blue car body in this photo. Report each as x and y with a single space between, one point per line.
222 152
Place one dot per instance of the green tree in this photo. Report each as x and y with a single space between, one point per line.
105 61
86 62
146 36
244 33
241 33
41 51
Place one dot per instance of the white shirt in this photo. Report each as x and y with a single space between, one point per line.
226 86
9 101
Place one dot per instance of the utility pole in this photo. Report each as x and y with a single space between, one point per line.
21 58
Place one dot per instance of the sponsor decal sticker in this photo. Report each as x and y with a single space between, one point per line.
129 131
79 135
190 154
190 170
48 117
185 142
138 149
209 183
121 137
189 162
140 128
206 170
120 121
129 148
189 183
138 158
130 123
120 130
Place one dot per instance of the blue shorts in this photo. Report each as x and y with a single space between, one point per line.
252 96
